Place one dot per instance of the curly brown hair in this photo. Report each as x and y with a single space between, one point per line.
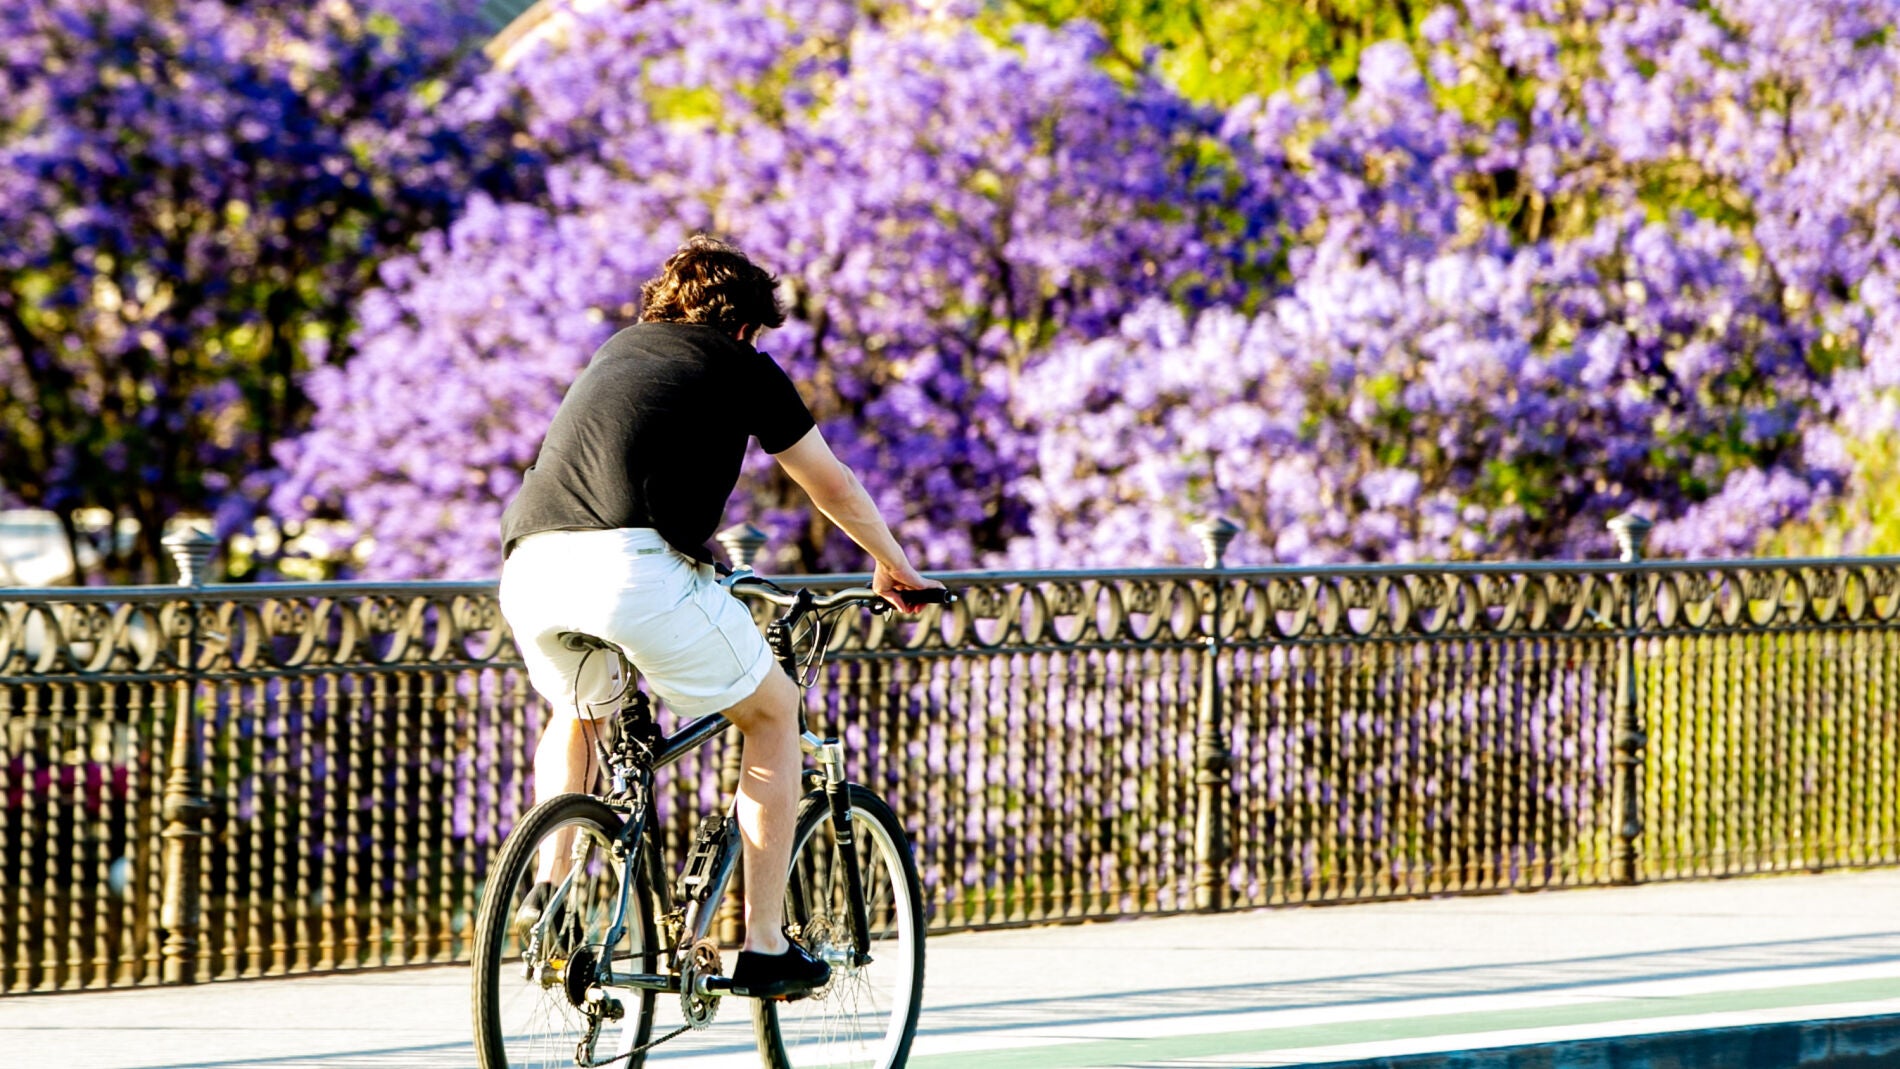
711 282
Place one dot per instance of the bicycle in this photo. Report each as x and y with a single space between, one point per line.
574 979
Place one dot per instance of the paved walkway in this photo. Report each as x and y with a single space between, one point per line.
1238 991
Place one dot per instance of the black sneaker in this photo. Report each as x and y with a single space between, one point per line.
532 905
791 975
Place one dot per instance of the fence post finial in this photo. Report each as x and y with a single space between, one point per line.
1630 531
192 550
1216 534
743 543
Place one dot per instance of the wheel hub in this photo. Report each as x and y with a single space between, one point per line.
578 975
822 942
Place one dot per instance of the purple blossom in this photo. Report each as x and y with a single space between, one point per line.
1051 317
193 193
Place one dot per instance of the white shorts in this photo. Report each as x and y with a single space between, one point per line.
693 641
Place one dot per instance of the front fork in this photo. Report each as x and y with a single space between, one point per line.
715 855
830 753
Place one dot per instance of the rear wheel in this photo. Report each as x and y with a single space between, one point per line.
866 1016
536 960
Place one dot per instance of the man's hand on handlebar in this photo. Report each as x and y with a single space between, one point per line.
892 583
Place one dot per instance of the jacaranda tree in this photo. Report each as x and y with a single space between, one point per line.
1540 263
1602 257
192 195
941 206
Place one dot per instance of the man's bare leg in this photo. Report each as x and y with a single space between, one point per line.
560 766
768 804
768 798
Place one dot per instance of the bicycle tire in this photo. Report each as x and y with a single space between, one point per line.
524 1022
865 1016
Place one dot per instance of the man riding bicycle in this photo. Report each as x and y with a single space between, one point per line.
607 537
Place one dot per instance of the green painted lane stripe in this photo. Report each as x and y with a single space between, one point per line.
1119 1051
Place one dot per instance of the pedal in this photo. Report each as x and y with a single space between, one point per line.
695 881
712 986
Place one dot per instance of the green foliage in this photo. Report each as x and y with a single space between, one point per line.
1221 50
1865 519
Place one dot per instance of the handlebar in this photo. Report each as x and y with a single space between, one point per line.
754 586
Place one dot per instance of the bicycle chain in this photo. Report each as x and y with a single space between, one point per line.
703 958
642 1048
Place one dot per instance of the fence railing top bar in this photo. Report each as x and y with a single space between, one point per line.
252 591
1305 571
487 587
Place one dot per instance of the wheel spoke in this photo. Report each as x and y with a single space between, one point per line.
865 1016
538 1019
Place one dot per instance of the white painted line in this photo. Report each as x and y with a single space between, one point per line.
1755 980
1007 1036
1555 1034
923 1046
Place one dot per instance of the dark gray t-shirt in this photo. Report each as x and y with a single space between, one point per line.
652 434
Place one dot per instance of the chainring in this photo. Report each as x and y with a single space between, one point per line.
702 960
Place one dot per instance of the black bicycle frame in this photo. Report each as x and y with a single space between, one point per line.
669 749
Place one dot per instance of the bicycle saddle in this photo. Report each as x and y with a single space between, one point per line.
581 642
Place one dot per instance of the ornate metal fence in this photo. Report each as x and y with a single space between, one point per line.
214 782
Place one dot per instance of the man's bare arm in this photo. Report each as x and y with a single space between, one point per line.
835 489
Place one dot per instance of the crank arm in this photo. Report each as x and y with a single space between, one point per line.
708 985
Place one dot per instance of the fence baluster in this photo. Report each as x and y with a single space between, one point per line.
1629 530
185 805
1211 754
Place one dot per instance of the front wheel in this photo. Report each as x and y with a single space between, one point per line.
542 946
866 1016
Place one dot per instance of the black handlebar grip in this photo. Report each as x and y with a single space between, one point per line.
932 596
